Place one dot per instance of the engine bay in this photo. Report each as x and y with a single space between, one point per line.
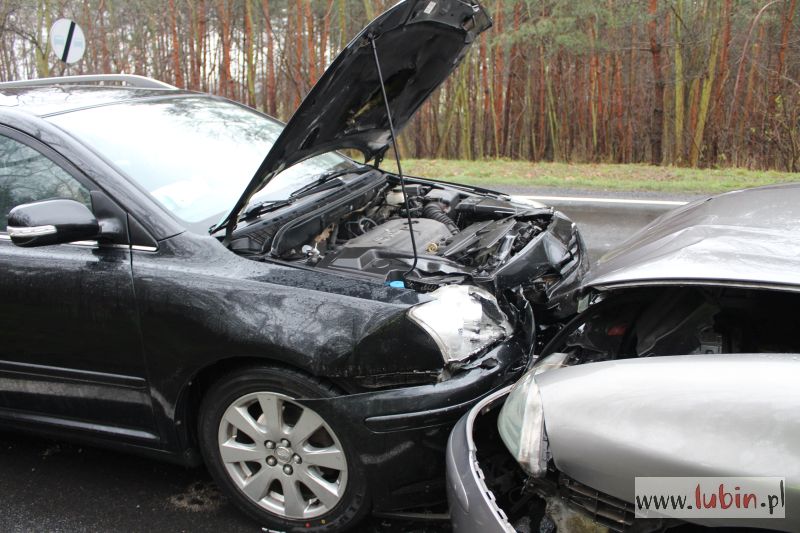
454 235
362 229
692 320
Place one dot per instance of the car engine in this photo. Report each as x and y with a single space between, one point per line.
456 234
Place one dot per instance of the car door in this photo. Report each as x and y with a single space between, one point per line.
70 347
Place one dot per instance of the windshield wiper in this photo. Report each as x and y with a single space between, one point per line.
327 177
271 205
259 208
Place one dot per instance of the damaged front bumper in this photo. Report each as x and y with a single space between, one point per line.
563 504
473 506
402 433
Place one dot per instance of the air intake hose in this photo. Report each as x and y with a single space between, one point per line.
434 211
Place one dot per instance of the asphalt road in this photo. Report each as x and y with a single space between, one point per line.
606 225
47 485
55 486
606 218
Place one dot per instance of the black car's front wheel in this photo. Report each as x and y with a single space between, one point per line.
279 461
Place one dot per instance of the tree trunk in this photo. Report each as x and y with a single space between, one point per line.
201 45
326 32
656 124
497 86
593 87
619 129
105 54
513 66
787 26
249 56
225 81
705 97
310 50
483 66
270 92
747 107
42 43
680 90
176 46
298 53
717 103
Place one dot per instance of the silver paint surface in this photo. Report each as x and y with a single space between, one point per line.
719 415
749 237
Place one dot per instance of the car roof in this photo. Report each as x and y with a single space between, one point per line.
53 99
743 238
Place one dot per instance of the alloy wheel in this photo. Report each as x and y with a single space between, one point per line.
283 456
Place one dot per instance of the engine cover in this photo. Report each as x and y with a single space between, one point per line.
388 247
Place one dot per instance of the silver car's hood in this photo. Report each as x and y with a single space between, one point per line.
749 237
719 415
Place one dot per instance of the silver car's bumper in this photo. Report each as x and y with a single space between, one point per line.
472 504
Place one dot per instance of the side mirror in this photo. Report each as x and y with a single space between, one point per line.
55 221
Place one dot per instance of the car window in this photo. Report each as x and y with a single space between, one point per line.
26 176
195 155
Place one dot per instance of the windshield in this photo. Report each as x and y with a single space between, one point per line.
195 155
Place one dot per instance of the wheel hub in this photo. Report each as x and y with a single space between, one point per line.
284 454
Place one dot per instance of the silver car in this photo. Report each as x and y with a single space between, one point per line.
683 364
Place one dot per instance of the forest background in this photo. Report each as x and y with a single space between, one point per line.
683 83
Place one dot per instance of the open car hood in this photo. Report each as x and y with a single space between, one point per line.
419 43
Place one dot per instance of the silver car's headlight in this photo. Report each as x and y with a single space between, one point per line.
462 320
521 420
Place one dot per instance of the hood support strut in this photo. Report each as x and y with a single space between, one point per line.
396 158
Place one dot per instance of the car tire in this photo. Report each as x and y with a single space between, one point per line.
246 424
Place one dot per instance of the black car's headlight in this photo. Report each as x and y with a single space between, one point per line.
521 420
462 320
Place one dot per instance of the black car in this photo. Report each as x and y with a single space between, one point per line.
297 337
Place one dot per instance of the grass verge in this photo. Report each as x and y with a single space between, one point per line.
610 177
